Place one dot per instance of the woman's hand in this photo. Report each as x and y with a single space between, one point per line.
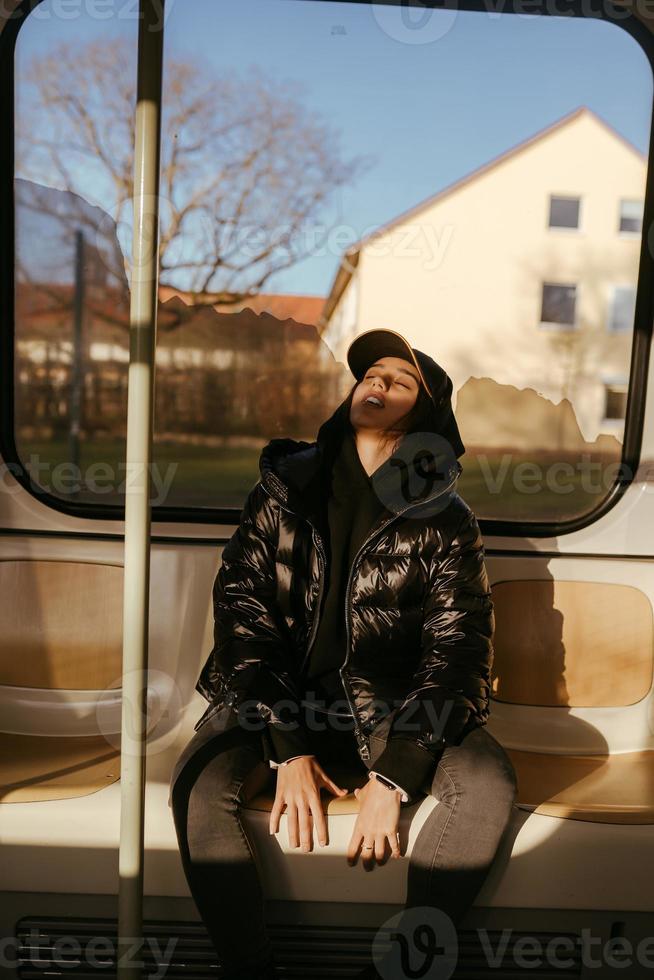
298 787
377 822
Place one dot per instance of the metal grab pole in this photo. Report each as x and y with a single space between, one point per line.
140 415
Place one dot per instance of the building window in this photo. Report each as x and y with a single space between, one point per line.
615 401
631 216
564 212
623 305
558 304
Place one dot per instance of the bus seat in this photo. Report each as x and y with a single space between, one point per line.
576 644
60 659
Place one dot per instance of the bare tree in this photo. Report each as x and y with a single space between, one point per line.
247 170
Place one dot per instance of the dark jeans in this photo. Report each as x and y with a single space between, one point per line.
224 765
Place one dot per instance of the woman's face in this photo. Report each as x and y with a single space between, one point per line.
392 381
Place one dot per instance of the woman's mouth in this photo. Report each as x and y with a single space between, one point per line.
373 401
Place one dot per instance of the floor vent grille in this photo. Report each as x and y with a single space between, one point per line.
85 948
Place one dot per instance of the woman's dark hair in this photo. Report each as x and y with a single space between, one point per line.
417 418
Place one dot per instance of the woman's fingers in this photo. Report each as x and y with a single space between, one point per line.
300 825
306 826
275 814
319 821
303 817
353 847
372 850
394 841
330 784
339 790
292 824
302 814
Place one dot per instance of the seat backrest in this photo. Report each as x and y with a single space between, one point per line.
61 624
580 644
60 654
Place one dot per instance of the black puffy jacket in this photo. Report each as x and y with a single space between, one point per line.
419 613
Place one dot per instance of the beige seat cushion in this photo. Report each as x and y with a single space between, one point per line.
34 768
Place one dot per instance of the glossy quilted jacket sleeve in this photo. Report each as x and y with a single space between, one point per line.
451 687
250 660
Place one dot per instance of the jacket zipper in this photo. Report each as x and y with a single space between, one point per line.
321 579
362 740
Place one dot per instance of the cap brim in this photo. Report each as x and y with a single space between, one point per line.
368 346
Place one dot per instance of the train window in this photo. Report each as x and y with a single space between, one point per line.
74 106
340 168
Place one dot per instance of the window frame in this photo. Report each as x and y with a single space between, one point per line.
642 332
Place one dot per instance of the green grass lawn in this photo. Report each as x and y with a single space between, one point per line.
508 500
200 476
197 476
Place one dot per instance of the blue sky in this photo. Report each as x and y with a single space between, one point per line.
431 103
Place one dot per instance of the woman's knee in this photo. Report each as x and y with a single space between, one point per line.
216 774
214 799
480 768
497 776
